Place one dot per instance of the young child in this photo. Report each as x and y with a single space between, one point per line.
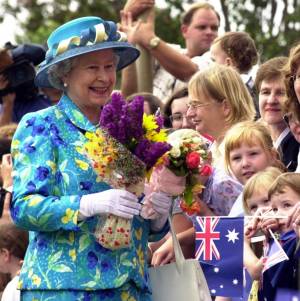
284 196
13 245
248 150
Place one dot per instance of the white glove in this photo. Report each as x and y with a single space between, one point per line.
161 204
115 201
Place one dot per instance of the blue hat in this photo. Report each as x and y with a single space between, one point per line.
84 35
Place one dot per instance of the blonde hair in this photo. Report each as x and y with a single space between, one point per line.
251 133
222 82
288 179
258 182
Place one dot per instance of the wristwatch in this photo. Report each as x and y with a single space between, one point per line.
154 42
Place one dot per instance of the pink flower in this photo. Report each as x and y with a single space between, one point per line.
192 160
206 170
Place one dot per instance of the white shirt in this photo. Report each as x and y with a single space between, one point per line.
164 83
11 293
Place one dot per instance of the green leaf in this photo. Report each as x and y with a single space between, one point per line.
44 218
63 165
84 242
121 280
66 178
90 284
61 268
54 258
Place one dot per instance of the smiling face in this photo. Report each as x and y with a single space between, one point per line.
247 160
91 81
271 96
178 114
207 115
283 205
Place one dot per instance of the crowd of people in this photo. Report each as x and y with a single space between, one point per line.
52 199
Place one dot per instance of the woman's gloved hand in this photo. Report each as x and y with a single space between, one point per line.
161 204
114 201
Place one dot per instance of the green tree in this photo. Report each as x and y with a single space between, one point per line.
274 25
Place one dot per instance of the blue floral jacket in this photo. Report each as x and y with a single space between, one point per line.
50 176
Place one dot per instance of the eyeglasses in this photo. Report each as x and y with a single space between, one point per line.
290 118
295 78
197 104
177 117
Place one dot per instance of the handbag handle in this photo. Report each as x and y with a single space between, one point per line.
179 258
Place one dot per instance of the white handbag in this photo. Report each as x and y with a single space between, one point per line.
180 280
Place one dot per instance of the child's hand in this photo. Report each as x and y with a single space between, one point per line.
164 254
252 227
294 220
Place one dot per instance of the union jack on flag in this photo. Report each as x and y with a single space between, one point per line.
219 249
207 235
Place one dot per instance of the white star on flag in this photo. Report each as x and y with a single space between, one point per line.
232 235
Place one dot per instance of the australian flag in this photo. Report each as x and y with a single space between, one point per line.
219 249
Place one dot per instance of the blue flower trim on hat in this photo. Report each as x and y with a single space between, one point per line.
81 36
106 31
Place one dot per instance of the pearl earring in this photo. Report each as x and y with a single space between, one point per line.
65 85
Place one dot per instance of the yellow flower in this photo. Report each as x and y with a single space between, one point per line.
126 297
72 254
141 259
20 284
197 188
69 216
83 165
36 280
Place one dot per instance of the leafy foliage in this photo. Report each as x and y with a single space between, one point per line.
274 25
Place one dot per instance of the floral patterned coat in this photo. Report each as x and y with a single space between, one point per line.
50 176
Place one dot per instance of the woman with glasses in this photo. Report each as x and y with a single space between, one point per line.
218 99
175 110
292 83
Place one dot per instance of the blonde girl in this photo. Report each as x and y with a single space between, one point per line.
248 150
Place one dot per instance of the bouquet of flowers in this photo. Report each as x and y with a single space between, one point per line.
185 169
125 147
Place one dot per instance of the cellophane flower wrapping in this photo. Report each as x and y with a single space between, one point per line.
185 169
125 147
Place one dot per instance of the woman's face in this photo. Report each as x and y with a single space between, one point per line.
178 116
271 96
91 80
297 83
207 115
246 160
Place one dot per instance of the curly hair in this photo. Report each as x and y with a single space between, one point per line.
240 47
289 70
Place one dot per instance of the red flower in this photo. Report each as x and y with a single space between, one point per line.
192 209
193 160
206 170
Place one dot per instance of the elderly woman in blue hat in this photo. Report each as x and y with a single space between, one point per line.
57 194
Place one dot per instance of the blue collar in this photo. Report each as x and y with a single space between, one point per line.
69 108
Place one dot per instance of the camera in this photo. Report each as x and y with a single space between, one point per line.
20 74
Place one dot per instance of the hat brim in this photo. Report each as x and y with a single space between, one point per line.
126 52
